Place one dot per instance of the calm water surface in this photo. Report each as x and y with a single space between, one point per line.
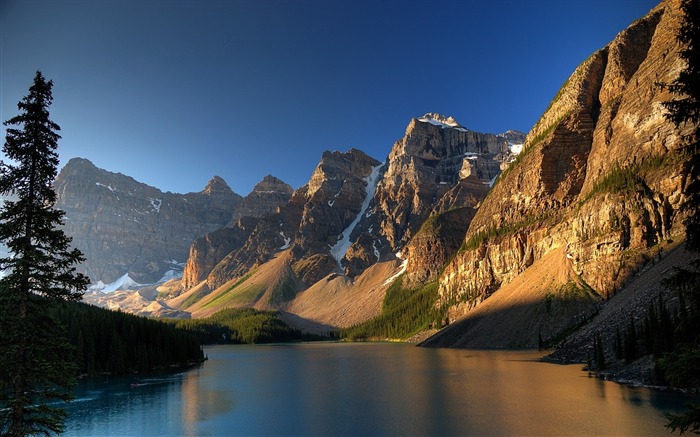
368 389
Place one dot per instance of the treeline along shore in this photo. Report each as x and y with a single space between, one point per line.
108 342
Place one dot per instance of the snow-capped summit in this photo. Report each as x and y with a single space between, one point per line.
441 120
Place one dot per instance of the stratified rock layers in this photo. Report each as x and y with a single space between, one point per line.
599 175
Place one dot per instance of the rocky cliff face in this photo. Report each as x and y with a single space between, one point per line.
126 227
598 176
438 166
428 168
514 137
333 200
435 243
208 250
123 226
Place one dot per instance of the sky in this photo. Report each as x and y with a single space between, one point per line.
173 92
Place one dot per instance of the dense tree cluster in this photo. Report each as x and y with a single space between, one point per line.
671 337
241 326
113 342
658 335
405 312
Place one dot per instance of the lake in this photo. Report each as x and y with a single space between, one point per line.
368 389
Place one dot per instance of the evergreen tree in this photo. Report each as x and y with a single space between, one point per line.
36 363
619 351
630 342
599 352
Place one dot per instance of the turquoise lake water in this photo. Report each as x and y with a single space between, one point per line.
360 389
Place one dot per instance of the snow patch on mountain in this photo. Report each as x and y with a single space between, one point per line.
126 283
471 156
340 248
109 187
287 241
515 148
97 287
123 283
402 269
169 275
515 141
442 121
156 203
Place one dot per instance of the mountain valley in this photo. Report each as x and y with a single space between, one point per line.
526 238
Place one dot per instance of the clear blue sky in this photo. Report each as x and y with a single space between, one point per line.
174 92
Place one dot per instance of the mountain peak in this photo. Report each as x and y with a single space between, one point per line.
440 120
271 184
216 185
79 162
337 158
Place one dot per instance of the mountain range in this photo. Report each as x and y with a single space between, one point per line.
528 238
355 212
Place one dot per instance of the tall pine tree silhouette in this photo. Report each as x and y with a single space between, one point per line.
36 366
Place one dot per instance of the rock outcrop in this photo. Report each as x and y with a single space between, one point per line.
208 250
126 227
540 305
435 243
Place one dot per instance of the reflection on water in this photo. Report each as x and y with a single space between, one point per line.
369 389
200 402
